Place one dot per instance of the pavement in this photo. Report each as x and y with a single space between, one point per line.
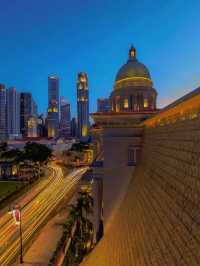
41 250
35 214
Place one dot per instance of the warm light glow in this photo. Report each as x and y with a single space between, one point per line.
126 105
132 53
84 131
14 170
133 79
53 110
188 109
146 104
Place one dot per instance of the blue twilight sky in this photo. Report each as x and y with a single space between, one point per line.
63 37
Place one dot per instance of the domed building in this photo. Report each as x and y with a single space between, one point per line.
118 135
133 89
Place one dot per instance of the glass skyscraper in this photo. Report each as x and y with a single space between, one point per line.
13 112
65 118
53 106
3 134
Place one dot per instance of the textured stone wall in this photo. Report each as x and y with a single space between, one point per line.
158 222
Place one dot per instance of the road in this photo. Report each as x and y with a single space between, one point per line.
34 214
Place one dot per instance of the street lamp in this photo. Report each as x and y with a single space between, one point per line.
18 220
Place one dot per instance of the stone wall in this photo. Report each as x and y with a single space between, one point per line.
158 222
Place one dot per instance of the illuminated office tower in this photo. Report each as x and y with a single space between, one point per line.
65 118
83 106
2 113
13 113
32 131
53 107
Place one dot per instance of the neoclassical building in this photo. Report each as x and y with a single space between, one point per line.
117 135
133 88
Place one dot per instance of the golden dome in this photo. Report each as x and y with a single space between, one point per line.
133 71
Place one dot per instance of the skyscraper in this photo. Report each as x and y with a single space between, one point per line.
103 105
83 105
65 118
13 112
53 107
34 108
73 127
25 111
2 112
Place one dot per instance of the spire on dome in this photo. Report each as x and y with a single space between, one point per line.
132 52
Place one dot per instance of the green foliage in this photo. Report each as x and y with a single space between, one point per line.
37 152
8 187
32 151
81 241
14 155
3 147
83 237
80 146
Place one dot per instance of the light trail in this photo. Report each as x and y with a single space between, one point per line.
35 213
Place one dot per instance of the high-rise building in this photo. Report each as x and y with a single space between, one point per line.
103 105
73 127
13 113
34 107
32 127
83 105
53 107
25 111
2 112
65 118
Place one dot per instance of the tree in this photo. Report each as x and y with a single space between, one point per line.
83 236
3 147
37 152
14 155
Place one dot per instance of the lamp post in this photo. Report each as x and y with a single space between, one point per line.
20 233
18 220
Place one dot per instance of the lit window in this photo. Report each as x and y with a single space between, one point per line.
125 103
146 104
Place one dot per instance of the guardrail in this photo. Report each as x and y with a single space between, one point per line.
187 107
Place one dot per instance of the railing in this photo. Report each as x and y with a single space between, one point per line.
185 108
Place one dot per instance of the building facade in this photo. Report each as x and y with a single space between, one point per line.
65 118
117 135
13 113
83 106
53 107
25 112
73 127
103 105
3 134
32 127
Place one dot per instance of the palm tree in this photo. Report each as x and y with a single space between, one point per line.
84 228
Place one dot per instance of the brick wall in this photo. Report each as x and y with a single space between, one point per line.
158 222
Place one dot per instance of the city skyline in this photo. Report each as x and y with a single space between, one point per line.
45 50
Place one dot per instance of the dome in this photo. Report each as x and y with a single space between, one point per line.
133 68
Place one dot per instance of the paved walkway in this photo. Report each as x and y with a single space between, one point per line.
43 247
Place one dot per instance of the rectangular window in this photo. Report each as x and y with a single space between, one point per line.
126 105
146 104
